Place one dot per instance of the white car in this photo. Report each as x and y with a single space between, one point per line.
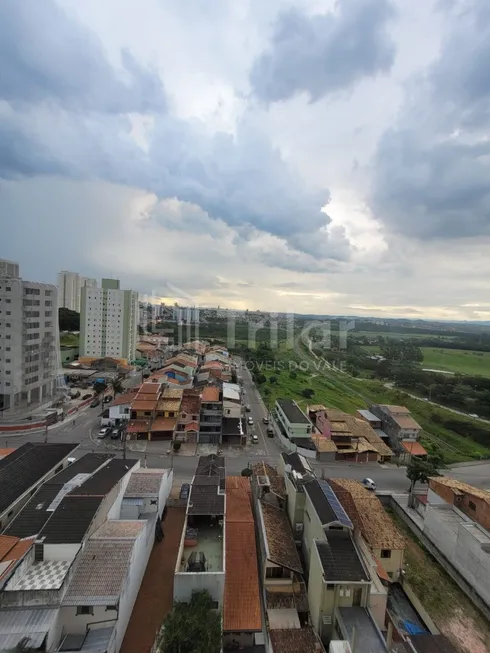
255 439
103 432
369 484
250 421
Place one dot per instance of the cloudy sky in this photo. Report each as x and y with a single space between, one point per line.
309 155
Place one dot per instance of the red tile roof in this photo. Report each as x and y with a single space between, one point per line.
192 426
120 400
13 553
6 452
150 388
415 448
241 607
138 426
210 393
164 424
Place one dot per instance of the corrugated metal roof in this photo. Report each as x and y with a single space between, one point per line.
16 624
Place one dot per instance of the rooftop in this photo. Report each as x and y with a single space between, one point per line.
45 575
145 482
326 504
340 559
241 607
298 463
206 540
232 426
406 422
12 549
432 644
459 487
414 448
206 500
100 483
371 417
366 510
146 405
150 388
119 529
231 391
173 393
292 640
368 637
100 572
211 465
164 424
191 404
280 542
292 411
324 444
26 466
35 624
71 520
210 393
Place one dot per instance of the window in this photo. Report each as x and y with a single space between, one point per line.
471 505
32 291
85 609
48 293
110 607
8 301
330 586
274 572
386 553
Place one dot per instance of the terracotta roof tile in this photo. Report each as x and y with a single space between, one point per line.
145 405
6 452
120 400
459 486
241 607
192 426
210 393
414 448
164 424
7 543
173 393
138 426
17 552
282 549
169 404
150 388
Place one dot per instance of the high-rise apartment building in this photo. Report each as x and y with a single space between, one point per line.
108 321
29 340
70 285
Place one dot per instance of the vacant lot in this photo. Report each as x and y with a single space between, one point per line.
449 608
474 363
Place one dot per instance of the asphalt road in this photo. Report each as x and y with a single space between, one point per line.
387 477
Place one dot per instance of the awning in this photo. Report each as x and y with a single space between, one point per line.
414 448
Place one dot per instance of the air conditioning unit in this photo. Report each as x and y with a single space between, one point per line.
299 528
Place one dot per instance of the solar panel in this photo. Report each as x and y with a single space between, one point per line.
335 505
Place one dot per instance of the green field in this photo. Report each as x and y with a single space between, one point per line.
398 336
69 339
462 361
337 390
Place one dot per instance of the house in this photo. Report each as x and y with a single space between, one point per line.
242 615
296 471
187 429
410 449
55 528
374 524
167 411
210 422
456 521
104 585
284 592
201 557
234 431
146 493
354 438
291 421
373 420
232 405
119 410
24 470
397 423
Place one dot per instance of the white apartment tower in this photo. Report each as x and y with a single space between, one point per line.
29 340
108 321
70 285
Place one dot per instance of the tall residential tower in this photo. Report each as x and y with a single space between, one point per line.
70 285
108 321
29 340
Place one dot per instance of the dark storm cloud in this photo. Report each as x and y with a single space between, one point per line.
432 171
46 56
64 113
325 53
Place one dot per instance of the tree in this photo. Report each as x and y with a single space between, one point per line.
117 386
246 472
193 627
308 393
273 379
68 320
293 374
419 471
177 445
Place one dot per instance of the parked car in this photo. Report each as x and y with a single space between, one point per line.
184 491
95 403
255 439
247 409
250 421
270 432
115 434
85 397
107 399
104 432
265 420
369 484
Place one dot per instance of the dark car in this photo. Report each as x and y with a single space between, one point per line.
184 491
85 397
115 434
270 432
95 403
107 399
